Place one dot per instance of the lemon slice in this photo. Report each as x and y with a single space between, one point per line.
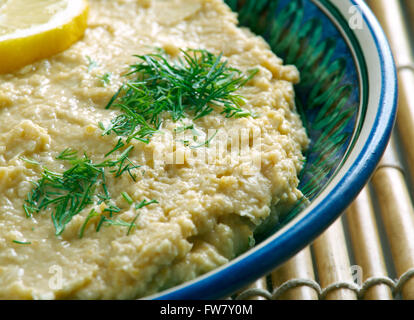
37 29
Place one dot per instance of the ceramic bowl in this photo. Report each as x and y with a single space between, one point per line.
347 101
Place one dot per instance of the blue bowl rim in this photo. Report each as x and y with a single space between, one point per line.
256 264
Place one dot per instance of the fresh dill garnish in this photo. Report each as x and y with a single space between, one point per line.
30 161
91 214
205 143
144 203
195 85
22 242
112 209
132 224
68 154
106 79
127 197
70 192
124 164
92 63
104 219
183 129
112 222
122 223
118 146
138 206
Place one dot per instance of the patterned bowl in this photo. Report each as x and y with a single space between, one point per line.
347 101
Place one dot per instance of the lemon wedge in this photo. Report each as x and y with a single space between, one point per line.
37 29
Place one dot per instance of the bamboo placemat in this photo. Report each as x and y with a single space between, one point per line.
368 253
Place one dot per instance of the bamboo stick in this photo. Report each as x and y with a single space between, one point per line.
391 14
366 244
408 6
396 210
298 267
332 262
397 213
260 284
393 196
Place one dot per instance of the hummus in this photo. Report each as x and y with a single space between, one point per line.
208 207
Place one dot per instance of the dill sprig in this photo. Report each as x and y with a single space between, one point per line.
21 242
138 206
92 64
194 85
70 192
127 197
119 222
105 78
205 143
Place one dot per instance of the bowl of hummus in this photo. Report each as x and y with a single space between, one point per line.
181 149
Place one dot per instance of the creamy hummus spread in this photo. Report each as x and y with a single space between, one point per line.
207 207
